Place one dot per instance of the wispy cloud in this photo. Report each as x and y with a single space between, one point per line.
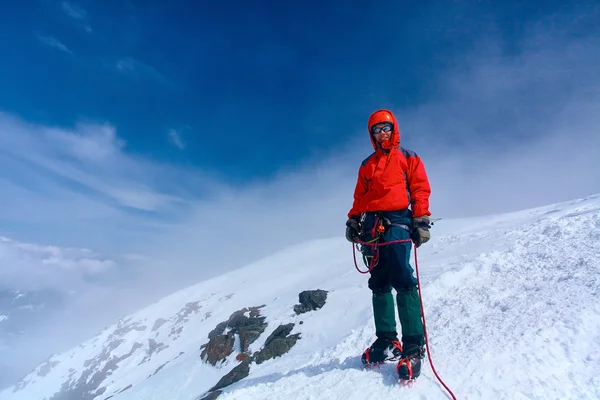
175 139
50 266
135 68
87 165
77 13
55 43
72 10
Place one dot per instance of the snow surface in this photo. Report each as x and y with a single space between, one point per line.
511 305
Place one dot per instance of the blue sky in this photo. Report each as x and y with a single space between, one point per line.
174 131
270 82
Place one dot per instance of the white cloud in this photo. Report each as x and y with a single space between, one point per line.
55 43
89 142
138 69
73 11
78 14
90 156
175 139
127 65
28 266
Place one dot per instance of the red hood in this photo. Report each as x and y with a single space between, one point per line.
394 140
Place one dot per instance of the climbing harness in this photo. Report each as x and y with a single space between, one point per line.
377 233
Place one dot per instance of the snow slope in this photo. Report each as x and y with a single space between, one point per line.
511 303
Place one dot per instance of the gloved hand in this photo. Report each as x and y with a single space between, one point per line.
352 228
420 233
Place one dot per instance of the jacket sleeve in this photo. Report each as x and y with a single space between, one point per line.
359 192
418 184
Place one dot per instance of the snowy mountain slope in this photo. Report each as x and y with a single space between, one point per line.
37 285
511 303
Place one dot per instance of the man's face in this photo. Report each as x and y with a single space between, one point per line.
382 132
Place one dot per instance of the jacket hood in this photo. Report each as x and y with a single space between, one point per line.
380 116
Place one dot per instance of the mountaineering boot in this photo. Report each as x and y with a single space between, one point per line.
387 346
383 349
409 366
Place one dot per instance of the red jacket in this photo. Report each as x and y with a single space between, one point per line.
392 178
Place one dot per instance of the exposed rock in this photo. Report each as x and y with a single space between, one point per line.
87 387
158 369
249 333
153 347
310 300
183 316
163 365
88 382
218 348
45 368
212 395
126 388
278 343
238 373
123 327
221 342
219 329
158 323
120 391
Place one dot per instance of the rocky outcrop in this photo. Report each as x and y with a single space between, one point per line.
222 339
238 373
218 348
158 323
277 344
183 316
98 369
212 395
153 348
45 368
310 300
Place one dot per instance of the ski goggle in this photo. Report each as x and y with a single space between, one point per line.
382 128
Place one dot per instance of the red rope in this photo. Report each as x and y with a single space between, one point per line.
420 297
425 328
